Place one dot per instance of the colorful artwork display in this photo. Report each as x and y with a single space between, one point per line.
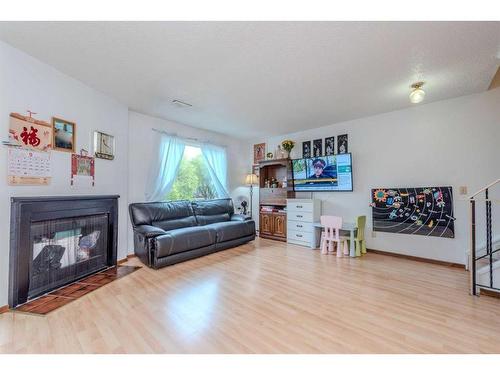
426 211
30 133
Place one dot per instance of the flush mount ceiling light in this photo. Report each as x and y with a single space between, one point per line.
417 94
180 103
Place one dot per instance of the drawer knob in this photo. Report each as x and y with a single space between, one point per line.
299 226
298 235
299 206
299 215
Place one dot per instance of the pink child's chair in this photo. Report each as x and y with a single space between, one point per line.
331 235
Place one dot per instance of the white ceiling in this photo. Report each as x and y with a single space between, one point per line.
249 79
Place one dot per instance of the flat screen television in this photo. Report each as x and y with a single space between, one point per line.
323 173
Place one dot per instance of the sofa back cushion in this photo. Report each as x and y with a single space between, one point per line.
164 215
213 211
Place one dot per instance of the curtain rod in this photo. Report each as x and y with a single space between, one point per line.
187 138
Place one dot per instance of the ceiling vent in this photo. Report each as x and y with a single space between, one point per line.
180 103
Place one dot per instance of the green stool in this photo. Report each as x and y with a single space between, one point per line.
359 240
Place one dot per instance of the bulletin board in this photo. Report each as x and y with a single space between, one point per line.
426 211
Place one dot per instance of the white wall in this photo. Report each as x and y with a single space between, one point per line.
453 142
26 83
141 138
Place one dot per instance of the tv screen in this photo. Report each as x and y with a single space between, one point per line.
324 173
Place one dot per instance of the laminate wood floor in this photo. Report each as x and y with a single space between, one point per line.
269 297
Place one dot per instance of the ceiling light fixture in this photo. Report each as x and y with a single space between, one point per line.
180 103
417 94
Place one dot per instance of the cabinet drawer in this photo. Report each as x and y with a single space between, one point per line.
299 226
300 216
299 206
300 236
301 243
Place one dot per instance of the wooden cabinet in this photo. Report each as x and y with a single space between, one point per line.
273 225
279 225
266 223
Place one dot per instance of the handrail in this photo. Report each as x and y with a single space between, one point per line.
484 188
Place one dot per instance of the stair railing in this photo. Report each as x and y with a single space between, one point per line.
489 250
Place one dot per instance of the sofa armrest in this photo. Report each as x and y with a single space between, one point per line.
240 217
149 231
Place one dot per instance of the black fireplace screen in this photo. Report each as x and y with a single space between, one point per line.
65 250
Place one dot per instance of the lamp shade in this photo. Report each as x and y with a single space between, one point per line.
251 179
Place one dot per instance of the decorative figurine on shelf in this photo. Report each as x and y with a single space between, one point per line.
288 146
269 155
266 183
280 154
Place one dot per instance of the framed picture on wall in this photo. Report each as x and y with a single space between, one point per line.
64 135
256 169
342 144
306 149
104 145
329 146
259 152
317 148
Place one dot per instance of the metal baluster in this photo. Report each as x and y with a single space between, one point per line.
473 245
489 239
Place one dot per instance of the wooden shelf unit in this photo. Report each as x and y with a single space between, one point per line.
273 224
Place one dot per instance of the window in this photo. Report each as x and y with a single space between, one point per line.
193 180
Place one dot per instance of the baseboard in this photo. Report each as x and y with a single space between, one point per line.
126 259
4 309
489 292
418 259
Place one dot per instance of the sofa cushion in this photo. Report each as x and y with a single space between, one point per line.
164 215
230 230
213 211
184 239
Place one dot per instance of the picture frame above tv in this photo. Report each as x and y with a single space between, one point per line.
324 173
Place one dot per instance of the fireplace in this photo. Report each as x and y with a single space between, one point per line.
58 240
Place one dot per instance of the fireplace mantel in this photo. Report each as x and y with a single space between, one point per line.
27 212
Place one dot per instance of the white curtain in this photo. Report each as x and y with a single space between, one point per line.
168 154
216 161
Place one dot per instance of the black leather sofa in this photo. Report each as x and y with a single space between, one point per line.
170 232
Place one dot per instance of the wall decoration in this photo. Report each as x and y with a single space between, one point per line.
259 152
28 167
64 135
104 146
317 148
256 169
82 170
426 211
27 132
306 149
329 146
342 144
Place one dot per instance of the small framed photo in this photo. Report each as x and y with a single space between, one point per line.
104 145
342 144
306 149
317 148
329 146
64 133
259 152
256 169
